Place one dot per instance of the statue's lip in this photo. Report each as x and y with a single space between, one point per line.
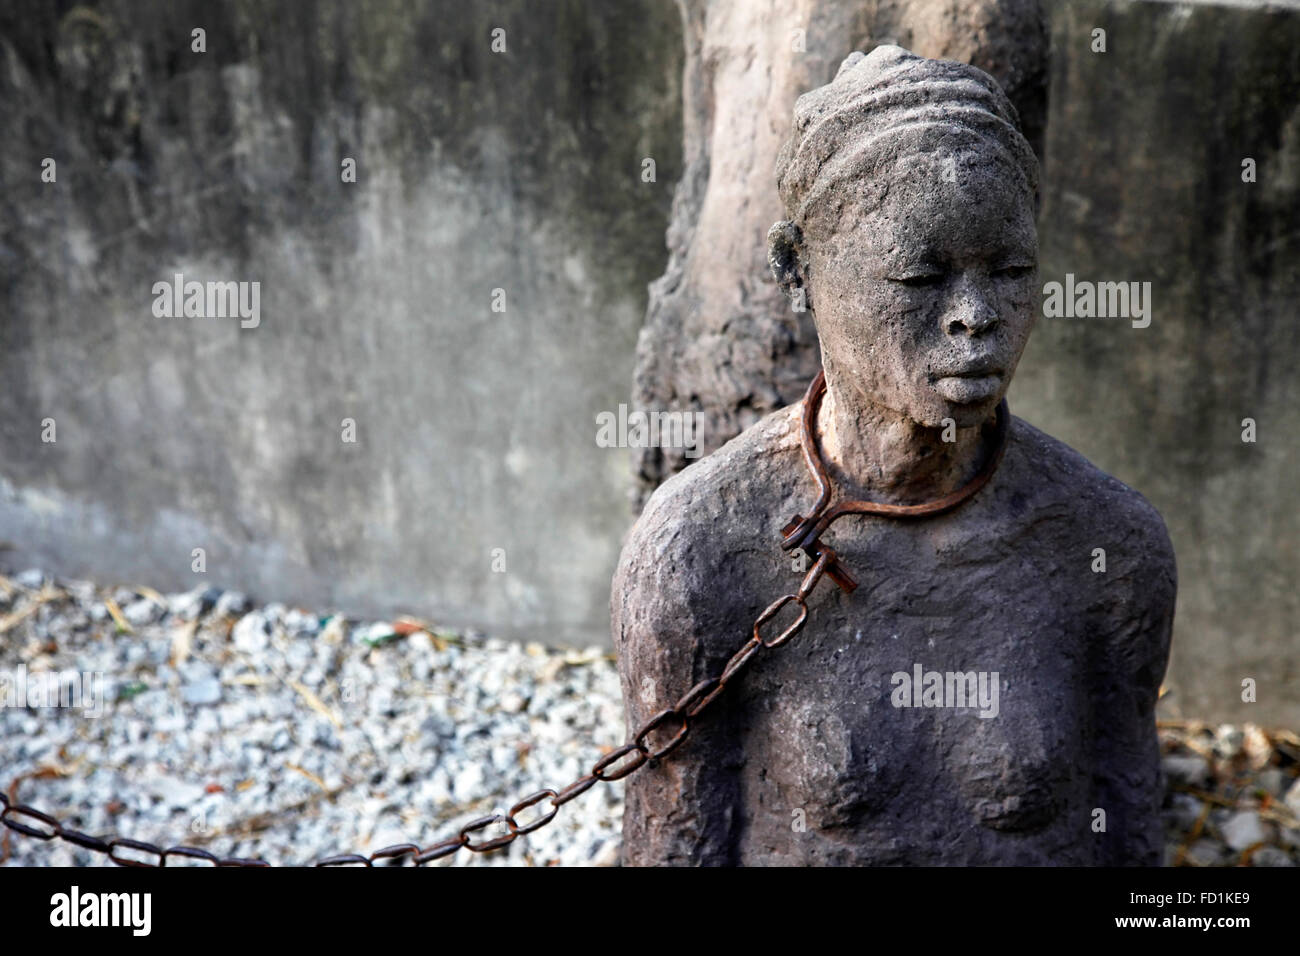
981 370
969 385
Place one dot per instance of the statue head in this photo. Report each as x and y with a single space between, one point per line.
910 195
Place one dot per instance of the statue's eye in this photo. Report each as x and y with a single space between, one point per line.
1012 272
918 279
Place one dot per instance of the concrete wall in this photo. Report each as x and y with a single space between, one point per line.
1144 183
476 170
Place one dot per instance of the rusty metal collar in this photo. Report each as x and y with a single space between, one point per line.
804 533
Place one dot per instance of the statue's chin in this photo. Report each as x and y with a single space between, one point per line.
964 403
968 401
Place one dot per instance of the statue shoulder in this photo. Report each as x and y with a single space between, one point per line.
678 559
1103 513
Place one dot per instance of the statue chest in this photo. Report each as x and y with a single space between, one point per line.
934 694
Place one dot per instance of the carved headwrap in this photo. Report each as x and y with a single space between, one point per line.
884 105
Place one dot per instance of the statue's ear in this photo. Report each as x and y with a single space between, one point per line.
785 257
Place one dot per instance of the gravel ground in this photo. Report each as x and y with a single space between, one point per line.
274 733
1232 795
281 734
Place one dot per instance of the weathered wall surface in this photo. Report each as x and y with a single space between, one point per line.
1145 144
476 171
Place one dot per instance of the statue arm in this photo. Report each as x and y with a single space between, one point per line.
1134 654
682 809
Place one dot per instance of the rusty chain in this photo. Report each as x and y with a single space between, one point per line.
802 533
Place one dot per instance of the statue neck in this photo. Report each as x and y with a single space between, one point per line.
875 453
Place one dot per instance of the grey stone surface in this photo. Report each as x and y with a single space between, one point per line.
1292 798
1244 829
1271 856
476 170
1189 771
910 196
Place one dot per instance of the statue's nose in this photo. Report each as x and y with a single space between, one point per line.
970 313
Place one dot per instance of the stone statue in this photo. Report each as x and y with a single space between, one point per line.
987 694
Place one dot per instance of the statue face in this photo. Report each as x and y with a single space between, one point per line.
924 303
